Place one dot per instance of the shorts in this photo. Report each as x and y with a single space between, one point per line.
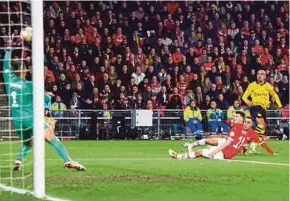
219 155
254 110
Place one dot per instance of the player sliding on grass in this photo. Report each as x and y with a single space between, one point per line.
19 91
225 148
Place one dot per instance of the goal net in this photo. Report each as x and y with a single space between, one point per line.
17 83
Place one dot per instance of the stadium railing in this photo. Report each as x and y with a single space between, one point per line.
99 124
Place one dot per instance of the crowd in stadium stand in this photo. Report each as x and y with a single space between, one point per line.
135 55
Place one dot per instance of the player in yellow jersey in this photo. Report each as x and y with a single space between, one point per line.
260 92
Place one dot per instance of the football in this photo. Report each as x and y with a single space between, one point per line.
26 34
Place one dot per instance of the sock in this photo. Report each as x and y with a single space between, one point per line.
200 142
253 146
191 155
59 148
23 152
179 156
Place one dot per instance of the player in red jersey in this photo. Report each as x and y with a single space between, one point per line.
252 136
225 148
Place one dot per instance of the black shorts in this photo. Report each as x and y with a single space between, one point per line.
254 110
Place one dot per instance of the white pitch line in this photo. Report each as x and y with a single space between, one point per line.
27 192
260 162
152 159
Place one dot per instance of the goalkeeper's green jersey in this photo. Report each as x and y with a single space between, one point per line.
19 92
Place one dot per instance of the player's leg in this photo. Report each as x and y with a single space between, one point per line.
25 135
60 150
217 156
208 141
259 115
26 147
187 155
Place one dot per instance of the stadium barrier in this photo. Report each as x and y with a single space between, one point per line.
99 124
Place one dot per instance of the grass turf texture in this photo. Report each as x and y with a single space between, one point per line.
142 170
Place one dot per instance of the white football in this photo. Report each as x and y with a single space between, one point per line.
26 34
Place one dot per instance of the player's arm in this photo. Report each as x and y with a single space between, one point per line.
276 97
7 67
221 147
247 94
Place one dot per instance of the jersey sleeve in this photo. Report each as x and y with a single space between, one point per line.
8 73
253 137
47 99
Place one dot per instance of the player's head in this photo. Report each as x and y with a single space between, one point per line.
248 123
238 117
261 76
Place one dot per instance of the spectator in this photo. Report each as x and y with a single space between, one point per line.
192 117
206 104
222 103
156 86
57 108
284 89
232 110
66 95
277 76
213 93
231 41
188 97
48 74
75 102
215 117
138 75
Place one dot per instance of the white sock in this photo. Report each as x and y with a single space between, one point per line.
179 156
191 154
201 142
18 161
253 146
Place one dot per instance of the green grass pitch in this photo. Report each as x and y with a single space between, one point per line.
142 171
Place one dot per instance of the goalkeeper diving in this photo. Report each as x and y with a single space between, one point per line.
19 92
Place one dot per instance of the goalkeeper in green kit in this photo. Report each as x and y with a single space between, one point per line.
19 91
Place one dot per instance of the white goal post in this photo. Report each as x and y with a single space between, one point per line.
37 57
38 98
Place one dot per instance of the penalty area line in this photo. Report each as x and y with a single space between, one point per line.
27 192
156 159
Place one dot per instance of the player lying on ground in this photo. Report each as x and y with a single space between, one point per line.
216 141
238 137
19 91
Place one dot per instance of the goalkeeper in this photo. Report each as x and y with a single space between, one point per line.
19 91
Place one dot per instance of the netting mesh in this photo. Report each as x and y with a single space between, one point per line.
14 16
